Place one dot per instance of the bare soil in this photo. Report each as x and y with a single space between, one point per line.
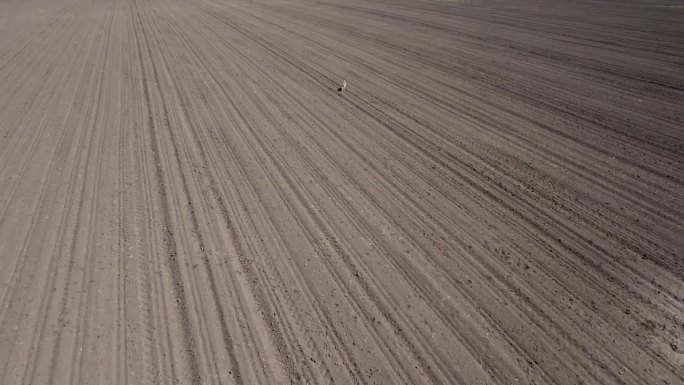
496 197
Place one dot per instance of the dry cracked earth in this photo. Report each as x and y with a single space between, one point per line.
497 197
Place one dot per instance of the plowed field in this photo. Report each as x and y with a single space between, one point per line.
496 197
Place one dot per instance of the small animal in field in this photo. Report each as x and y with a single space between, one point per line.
344 85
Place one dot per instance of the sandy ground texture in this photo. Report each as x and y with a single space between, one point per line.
497 197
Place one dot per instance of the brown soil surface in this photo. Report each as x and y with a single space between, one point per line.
496 197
